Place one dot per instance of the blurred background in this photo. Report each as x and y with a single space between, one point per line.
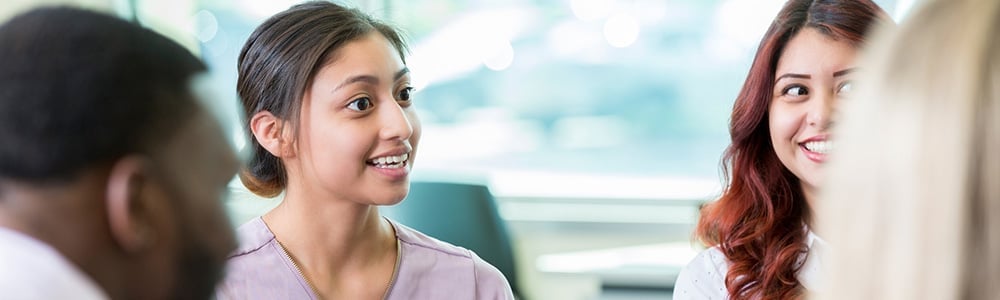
594 126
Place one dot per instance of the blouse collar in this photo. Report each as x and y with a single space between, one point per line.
811 273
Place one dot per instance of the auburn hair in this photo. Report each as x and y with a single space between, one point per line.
759 221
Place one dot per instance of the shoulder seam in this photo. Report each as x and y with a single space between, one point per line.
242 252
436 249
475 272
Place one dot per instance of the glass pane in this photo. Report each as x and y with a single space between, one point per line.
526 90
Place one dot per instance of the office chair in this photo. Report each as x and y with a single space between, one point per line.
461 214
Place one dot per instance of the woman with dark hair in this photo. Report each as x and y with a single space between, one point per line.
759 230
327 96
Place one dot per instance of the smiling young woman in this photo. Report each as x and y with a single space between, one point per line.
328 99
758 231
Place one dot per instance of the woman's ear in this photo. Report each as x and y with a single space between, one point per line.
272 133
128 214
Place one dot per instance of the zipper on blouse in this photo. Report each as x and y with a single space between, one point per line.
385 295
395 270
298 269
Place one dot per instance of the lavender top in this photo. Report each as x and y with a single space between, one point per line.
427 269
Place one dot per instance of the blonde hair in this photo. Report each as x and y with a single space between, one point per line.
912 206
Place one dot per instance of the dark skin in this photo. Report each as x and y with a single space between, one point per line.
127 224
70 218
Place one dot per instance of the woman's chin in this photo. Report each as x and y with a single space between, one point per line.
390 199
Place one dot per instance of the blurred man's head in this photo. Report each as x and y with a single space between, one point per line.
107 156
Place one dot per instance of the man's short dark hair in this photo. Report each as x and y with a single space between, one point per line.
79 89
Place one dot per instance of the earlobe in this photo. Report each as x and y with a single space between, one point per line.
129 228
272 134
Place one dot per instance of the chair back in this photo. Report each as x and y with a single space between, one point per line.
464 215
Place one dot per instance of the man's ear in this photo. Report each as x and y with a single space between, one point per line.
128 211
272 133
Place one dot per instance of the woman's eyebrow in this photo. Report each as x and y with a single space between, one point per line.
401 73
370 79
844 72
792 75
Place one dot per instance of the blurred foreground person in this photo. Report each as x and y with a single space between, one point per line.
111 171
913 211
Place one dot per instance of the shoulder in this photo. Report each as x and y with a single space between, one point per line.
490 283
704 277
259 269
34 270
257 250
418 241
440 263
252 236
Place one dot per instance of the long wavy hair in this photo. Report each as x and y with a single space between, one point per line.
759 221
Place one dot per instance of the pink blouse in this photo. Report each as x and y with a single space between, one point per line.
428 269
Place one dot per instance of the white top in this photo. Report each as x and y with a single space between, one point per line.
30 269
705 276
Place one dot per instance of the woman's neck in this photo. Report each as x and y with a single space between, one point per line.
810 193
327 237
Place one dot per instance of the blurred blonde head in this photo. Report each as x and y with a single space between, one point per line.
912 207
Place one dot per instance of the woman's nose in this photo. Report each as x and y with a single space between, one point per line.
395 124
821 113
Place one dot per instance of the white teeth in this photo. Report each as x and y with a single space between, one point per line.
391 166
822 147
390 160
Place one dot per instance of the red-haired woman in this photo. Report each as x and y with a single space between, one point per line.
759 229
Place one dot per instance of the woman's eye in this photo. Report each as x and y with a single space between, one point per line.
845 88
796 90
404 94
360 104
